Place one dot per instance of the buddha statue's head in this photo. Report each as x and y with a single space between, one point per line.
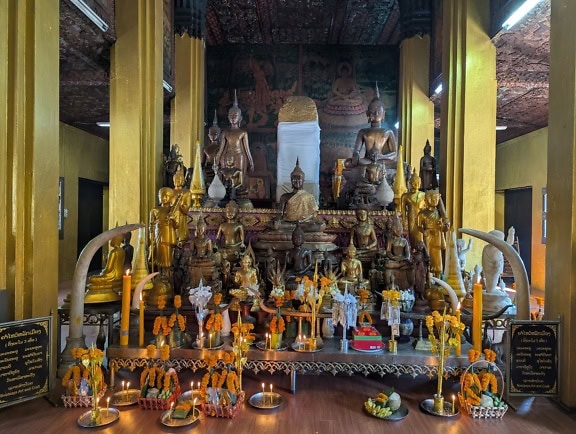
214 130
200 228
376 110
179 177
427 148
245 262
415 182
361 214
231 210
165 196
234 113
297 236
351 251
432 197
297 176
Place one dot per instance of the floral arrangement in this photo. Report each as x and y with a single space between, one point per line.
155 381
215 321
217 378
161 322
85 378
199 298
278 295
481 388
241 344
304 293
176 316
446 328
392 296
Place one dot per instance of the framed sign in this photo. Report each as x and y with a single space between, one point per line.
532 367
25 360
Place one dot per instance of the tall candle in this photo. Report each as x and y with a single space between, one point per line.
458 348
125 318
477 317
141 322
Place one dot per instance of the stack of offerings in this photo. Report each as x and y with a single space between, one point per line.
366 338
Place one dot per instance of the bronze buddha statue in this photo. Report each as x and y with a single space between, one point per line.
230 235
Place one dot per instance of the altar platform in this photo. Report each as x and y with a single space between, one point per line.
330 359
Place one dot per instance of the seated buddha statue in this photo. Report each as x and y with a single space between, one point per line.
298 206
245 277
352 271
201 246
363 236
233 180
299 258
230 235
397 261
102 287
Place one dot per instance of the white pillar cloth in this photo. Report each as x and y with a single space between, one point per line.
298 140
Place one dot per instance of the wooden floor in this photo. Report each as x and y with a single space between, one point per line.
323 404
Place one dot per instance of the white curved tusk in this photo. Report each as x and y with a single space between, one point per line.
451 293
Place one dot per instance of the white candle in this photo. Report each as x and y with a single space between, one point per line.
270 394
194 409
263 394
107 406
171 410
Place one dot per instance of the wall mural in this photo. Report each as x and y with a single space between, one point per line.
340 79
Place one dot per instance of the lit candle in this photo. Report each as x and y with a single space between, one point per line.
122 385
453 398
98 402
198 385
263 392
210 340
271 395
477 317
107 406
191 386
141 323
194 409
458 348
171 410
266 343
125 318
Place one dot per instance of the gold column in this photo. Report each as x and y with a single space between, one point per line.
188 107
560 246
468 118
416 109
136 111
29 162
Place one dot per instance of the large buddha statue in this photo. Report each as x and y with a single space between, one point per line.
234 141
230 235
182 204
297 207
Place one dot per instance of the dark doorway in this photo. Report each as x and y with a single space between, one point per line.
90 216
518 213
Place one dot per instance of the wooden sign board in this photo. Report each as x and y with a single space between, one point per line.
532 367
24 360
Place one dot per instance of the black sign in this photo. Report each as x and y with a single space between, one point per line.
533 361
24 360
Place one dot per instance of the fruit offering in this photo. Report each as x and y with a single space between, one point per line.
384 404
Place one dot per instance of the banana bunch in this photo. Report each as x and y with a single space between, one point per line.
377 408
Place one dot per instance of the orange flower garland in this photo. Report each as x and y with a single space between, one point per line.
277 324
215 321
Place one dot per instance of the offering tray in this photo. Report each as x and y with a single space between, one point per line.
399 414
108 416
192 417
303 347
125 398
428 406
206 347
266 400
189 395
378 350
261 345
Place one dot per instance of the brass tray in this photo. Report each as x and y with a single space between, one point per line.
301 348
266 400
192 417
109 415
125 398
428 406
189 395
261 345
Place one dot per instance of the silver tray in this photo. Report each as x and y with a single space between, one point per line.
399 414
379 350
266 400
428 406
127 397
193 417
261 345
301 348
206 347
108 416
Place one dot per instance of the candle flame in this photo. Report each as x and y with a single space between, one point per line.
128 271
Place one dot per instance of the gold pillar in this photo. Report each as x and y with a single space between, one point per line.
136 111
29 162
560 246
188 107
416 109
468 118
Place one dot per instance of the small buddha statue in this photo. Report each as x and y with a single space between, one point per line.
397 263
230 234
201 248
428 169
433 225
172 162
163 225
412 203
421 263
181 205
128 251
299 258
103 286
211 149
233 180
363 236
369 188
245 277
351 269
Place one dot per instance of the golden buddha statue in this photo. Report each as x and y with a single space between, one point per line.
351 270
245 277
181 206
163 225
102 287
412 203
234 141
433 224
230 234
363 236
298 205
